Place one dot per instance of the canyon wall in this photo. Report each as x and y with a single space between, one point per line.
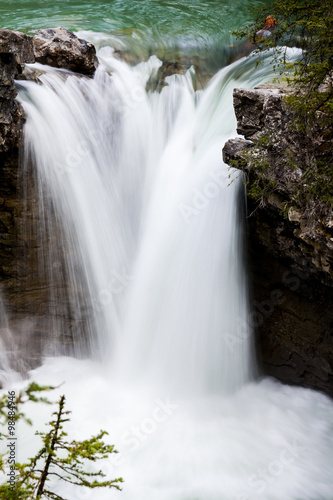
290 239
41 316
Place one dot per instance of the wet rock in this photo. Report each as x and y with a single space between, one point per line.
60 48
37 312
175 66
255 108
291 302
11 122
128 56
290 250
169 67
31 73
19 44
15 49
233 148
41 311
179 66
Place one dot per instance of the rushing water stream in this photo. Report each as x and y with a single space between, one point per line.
137 181
151 221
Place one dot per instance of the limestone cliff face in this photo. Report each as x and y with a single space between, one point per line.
36 308
15 49
290 245
61 48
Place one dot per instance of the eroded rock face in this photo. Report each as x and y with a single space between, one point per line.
60 48
15 49
11 112
33 278
290 250
40 311
292 306
280 154
19 44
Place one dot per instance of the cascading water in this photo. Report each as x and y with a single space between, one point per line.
150 220
7 348
138 185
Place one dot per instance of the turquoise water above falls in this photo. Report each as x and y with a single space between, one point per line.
162 17
173 21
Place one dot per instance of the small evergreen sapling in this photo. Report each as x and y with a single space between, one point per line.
58 457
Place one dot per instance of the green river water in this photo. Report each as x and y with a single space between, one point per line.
143 26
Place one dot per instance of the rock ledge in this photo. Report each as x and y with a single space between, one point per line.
60 48
290 250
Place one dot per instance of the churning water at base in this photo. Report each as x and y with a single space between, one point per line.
267 441
150 220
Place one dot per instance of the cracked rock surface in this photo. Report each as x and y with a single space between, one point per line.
290 252
61 48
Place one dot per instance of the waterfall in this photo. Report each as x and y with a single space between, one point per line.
8 353
145 222
149 217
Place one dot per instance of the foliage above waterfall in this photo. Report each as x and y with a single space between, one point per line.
309 26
